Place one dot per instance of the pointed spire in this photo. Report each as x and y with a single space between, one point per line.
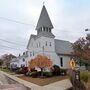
44 20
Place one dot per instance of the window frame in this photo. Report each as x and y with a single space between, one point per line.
61 61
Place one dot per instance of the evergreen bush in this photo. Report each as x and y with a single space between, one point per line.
55 70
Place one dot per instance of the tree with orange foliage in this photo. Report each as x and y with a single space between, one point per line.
41 62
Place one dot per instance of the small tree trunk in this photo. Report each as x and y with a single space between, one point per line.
42 72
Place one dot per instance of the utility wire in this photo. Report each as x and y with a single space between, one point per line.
11 20
11 48
12 42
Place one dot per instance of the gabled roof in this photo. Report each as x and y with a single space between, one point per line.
31 36
63 47
44 19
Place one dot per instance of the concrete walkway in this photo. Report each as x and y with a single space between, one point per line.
60 85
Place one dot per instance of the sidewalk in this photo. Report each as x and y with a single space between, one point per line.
60 85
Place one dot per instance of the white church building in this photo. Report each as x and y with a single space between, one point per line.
44 43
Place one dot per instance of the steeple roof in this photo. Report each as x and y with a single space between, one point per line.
44 19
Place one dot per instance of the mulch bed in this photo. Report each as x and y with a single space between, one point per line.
43 81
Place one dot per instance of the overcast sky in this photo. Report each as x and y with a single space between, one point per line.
18 19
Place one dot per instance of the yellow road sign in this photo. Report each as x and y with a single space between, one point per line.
72 63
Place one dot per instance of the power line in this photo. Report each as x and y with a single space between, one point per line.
11 48
11 42
11 20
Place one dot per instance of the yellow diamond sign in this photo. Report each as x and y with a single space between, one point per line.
72 64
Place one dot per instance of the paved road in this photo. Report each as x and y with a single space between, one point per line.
12 87
7 84
3 79
60 85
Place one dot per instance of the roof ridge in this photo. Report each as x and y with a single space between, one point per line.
62 40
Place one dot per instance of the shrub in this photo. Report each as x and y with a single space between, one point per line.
34 74
33 70
84 76
28 74
19 71
22 70
63 71
48 74
38 74
55 70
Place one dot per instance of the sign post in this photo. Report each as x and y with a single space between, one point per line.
75 74
77 78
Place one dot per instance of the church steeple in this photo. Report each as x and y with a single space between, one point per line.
44 23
